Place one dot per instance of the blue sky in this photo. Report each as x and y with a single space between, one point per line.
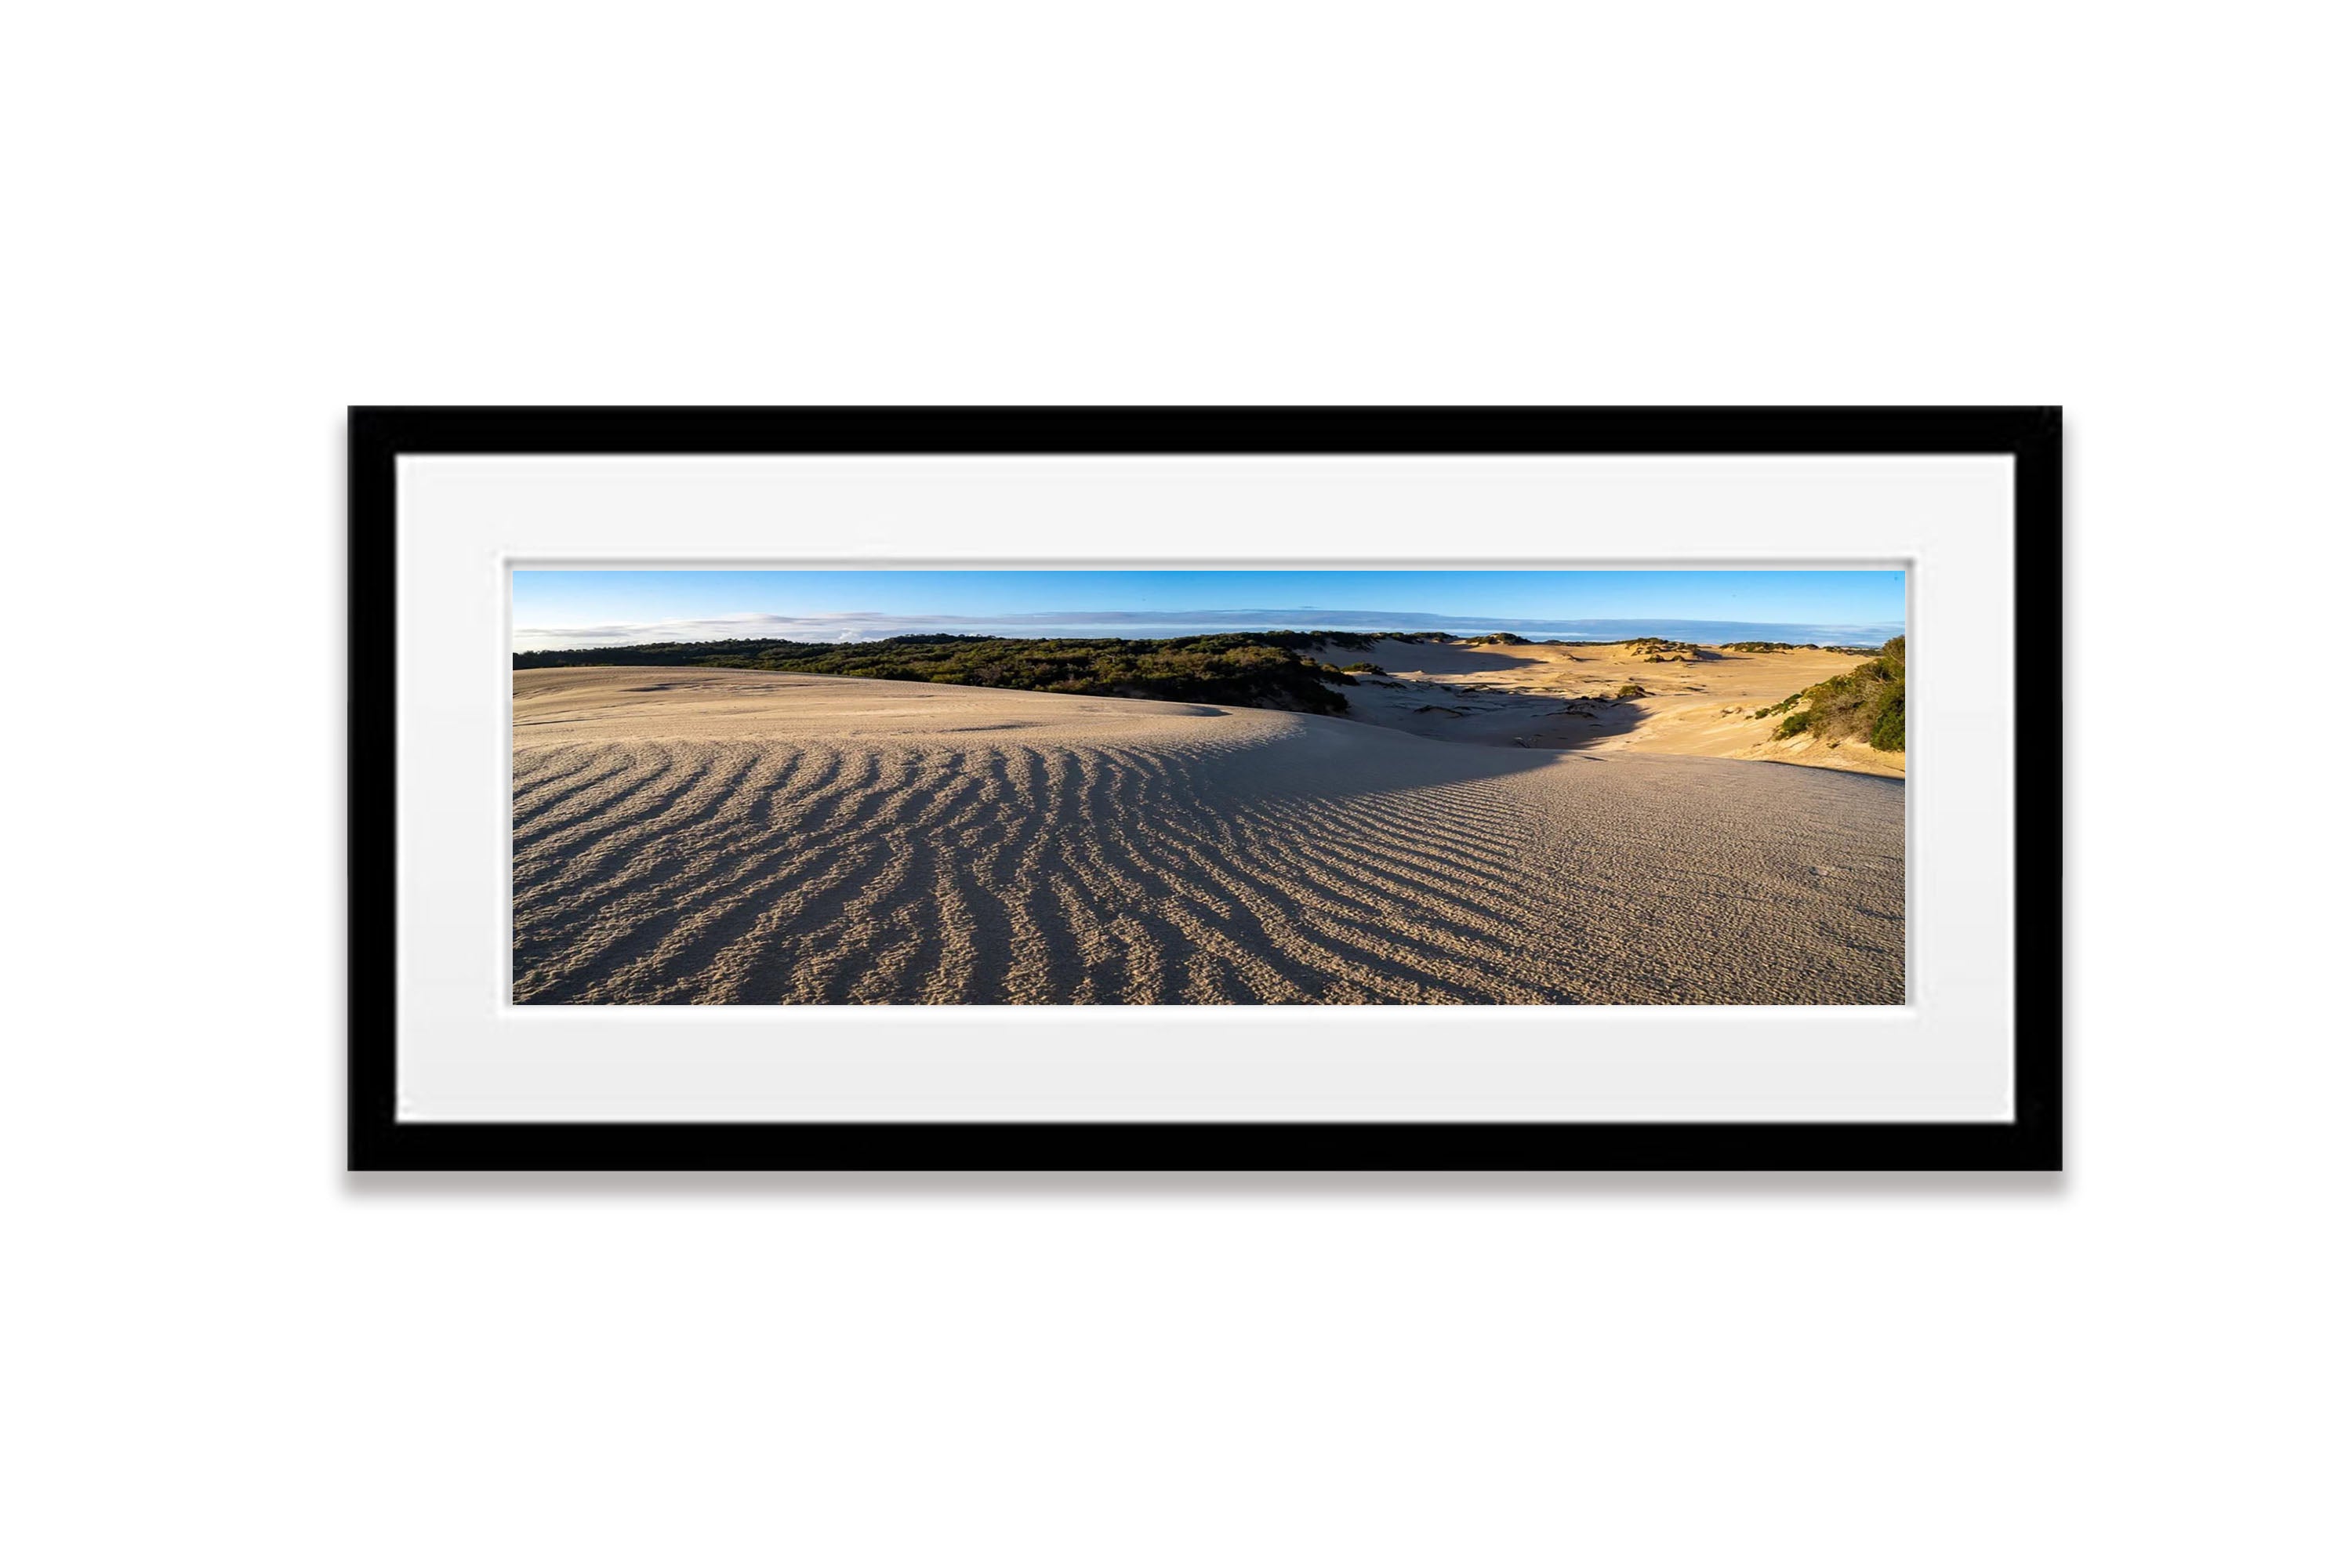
598 609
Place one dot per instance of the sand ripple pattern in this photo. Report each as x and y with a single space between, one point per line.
922 850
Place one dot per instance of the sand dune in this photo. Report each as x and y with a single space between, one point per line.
1553 696
706 836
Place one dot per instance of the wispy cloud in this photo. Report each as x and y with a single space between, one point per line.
866 626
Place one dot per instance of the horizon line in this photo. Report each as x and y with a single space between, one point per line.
1140 625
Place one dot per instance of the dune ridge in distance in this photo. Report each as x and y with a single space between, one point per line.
709 836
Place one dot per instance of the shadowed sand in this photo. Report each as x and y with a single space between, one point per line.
689 835
1552 696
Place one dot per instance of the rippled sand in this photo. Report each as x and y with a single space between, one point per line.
726 836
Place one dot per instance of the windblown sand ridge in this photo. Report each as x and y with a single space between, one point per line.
721 835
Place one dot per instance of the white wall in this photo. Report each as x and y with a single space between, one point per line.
228 221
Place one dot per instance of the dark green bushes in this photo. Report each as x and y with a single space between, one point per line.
1888 734
1299 642
1236 668
1863 704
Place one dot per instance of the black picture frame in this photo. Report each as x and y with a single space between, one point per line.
379 1141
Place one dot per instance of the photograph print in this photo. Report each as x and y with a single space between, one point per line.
1208 787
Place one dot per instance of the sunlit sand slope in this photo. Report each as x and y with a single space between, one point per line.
1551 696
710 837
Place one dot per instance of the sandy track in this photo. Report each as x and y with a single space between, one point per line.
712 837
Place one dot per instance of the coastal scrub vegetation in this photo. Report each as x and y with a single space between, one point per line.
1665 651
1247 669
1863 704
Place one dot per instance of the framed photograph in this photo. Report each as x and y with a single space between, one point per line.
1206 789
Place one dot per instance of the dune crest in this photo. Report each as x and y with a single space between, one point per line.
685 836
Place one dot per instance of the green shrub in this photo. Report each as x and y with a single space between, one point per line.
1240 670
1865 703
1888 734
